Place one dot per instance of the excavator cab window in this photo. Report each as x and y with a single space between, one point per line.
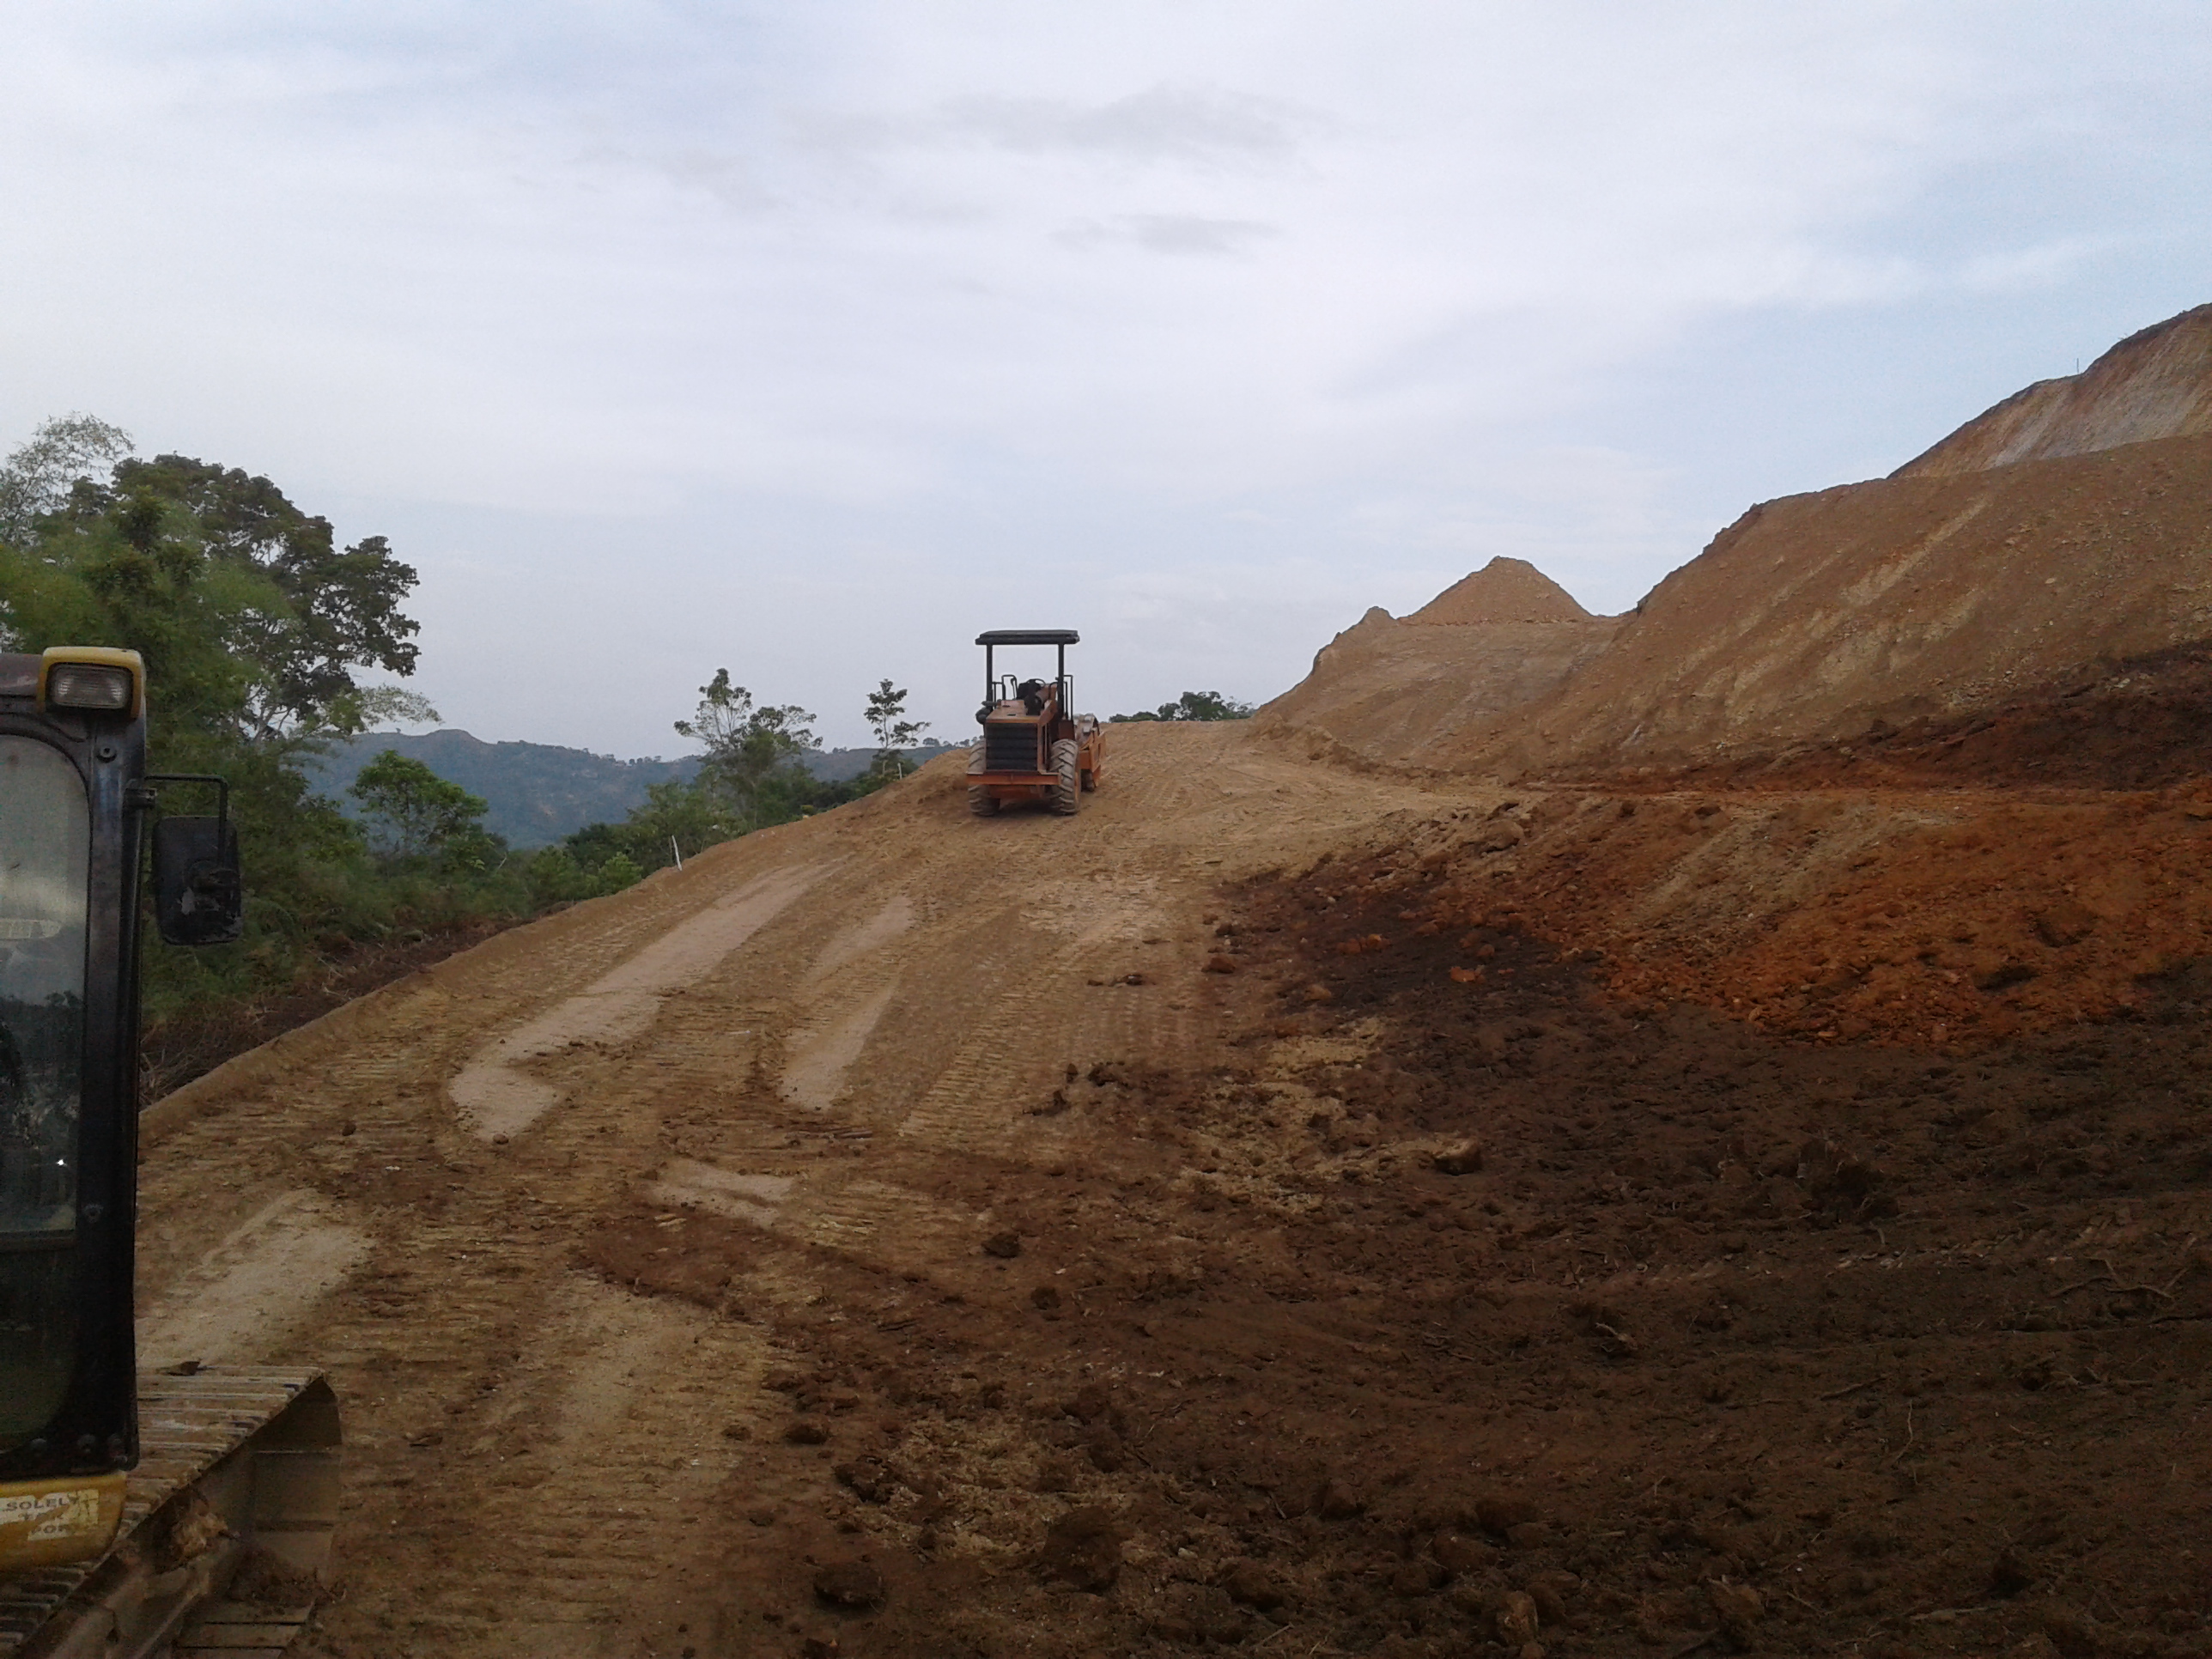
45 840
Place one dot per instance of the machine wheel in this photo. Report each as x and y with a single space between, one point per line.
1090 779
1067 793
981 802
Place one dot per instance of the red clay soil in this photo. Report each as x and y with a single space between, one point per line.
1612 1327
2037 865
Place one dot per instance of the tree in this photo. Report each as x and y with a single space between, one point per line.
746 746
893 733
415 813
249 616
1193 706
338 610
36 479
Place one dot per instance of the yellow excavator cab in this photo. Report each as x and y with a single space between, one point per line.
191 1472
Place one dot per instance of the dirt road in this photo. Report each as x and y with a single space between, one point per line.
1280 1206
788 1040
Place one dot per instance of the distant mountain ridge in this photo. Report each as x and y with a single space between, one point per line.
536 794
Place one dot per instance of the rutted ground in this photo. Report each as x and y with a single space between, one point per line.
1278 1207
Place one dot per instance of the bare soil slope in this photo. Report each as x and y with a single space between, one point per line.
2155 384
1281 1207
1827 615
1466 663
2067 528
1813 618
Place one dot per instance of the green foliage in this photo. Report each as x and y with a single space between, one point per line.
253 625
885 716
619 872
1192 706
416 814
36 479
690 818
747 747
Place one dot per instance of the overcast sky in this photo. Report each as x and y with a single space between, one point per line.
808 339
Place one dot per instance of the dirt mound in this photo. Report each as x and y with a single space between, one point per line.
2155 384
1384 689
1502 590
1824 616
1958 586
1849 613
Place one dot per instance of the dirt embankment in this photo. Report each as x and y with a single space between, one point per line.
1283 1206
1469 661
2157 383
2067 530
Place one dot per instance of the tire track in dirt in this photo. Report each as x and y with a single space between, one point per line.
538 1456
501 1100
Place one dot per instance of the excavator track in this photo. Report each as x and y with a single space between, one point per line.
236 1462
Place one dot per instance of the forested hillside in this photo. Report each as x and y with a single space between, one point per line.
537 793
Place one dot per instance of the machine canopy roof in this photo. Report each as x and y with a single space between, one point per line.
1027 636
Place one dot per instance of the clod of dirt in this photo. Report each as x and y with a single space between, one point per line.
853 1584
263 1581
2063 923
2072 1631
1738 1607
1249 1583
1005 1246
1457 1552
761 1517
1515 1618
1498 1513
1332 1502
1196 1614
1045 1299
805 1431
1082 1548
1419 1578
816 1647
1218 963
1053 1474
870 1479
1106 1451
349 1127
1464 1158
1132 979
2011 1575
1088 1403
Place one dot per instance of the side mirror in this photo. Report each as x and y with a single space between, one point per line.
198 896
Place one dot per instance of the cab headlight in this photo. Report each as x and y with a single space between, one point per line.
90 685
